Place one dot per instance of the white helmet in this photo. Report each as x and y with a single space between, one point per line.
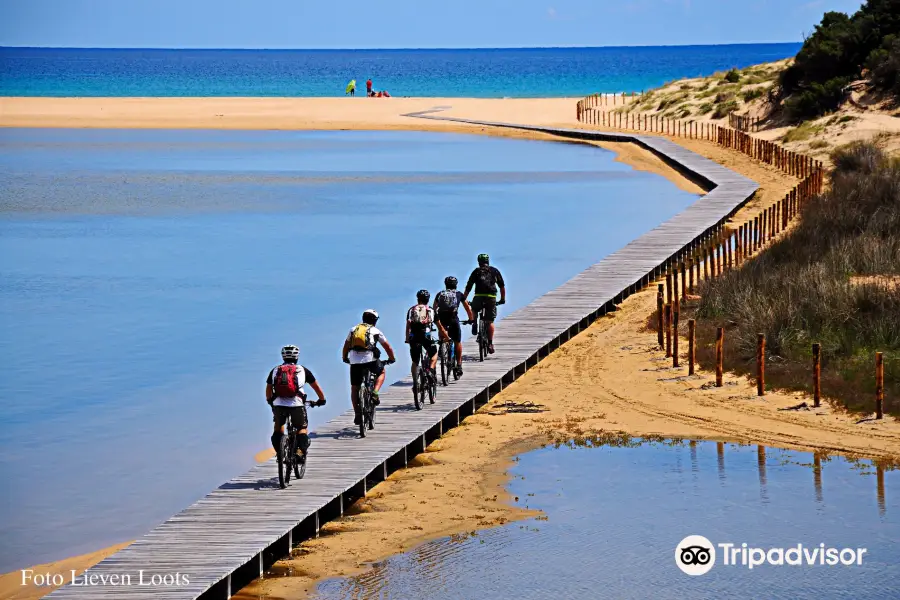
370 316
290 352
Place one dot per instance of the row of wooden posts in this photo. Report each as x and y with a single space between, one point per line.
744 122
723 251
792 163
604 99
760 359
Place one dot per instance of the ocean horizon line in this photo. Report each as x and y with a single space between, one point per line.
401 49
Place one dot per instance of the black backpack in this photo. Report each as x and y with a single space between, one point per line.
485 281
448 302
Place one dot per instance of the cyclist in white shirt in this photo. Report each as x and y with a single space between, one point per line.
361 352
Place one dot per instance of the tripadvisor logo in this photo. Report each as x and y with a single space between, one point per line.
696 555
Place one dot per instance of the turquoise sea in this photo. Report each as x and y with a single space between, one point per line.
477 73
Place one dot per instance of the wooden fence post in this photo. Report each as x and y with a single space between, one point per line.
683 281
720 350
660 316
669 287
761 364
692 324
879 385
675 314
691 275
817 390
668 330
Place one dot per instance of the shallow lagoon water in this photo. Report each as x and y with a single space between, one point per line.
155 274
613 518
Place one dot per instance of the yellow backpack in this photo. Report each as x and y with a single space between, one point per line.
360 337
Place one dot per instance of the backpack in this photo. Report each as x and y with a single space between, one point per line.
485 281
288 381
361 337
448 302
418 315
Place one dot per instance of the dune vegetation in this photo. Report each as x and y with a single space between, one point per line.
833 279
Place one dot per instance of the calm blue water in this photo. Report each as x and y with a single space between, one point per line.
545 72
148 279
615 515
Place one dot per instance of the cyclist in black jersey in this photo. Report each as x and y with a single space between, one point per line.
446 308
486 280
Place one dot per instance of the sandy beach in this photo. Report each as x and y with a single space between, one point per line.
607 381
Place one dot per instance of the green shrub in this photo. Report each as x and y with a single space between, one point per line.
724 97
817 99
705 108
723 109
732 76
884 64
802 132
752 94
837 51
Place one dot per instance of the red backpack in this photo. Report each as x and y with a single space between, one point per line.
286 382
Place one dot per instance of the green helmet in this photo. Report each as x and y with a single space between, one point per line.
484 259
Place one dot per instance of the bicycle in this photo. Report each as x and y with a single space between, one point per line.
366 403
426 381
288 461
448 359
482 334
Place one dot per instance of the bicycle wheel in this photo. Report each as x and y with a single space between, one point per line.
284 461
363 407
419 389
300 467
371 411
432 387
445 362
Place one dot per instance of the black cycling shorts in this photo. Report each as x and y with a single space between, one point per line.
417 343
358 372
297 413
451 324
490 307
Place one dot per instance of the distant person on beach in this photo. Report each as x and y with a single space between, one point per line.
362 354
284 393
446 308
369 87
485 279
351 88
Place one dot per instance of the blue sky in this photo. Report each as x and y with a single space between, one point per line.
405 23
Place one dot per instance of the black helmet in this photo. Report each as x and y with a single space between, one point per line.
484 259
451 282
370 317
423 296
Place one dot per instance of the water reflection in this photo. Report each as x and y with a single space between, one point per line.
615 512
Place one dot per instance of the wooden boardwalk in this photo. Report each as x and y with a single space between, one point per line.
228 538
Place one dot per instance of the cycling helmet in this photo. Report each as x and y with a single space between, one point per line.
451 282
423 296
484 259
370 317
290 352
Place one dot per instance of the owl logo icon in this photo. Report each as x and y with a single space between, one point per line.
695 555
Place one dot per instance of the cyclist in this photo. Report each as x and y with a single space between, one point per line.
446 308
486 279
361 352
284 393
419 325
